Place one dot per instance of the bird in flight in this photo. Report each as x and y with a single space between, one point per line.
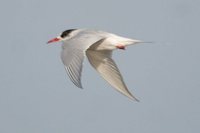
98 47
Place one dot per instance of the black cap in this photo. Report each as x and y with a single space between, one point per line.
66 33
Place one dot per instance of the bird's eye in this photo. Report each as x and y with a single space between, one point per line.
63 35
66 33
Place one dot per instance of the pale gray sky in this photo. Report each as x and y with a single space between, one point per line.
36 96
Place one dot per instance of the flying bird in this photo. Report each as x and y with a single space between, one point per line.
98 47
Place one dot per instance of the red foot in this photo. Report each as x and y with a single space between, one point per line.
121 47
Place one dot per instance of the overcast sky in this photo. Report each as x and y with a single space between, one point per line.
36 95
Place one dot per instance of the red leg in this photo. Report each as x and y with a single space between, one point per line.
121 47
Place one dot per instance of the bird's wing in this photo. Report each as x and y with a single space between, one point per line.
101 60
72 55
73 66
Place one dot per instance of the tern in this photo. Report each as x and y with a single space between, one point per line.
98 47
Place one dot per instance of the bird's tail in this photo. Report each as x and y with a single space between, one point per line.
133 41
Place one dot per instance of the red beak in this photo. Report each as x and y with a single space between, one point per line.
54 40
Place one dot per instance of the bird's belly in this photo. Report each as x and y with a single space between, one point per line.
105 46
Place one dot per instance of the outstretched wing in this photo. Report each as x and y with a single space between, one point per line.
73 66
73 53
104 64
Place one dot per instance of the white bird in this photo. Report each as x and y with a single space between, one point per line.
98 47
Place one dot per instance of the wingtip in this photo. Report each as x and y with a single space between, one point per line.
130 96
78 85
81 87
134 99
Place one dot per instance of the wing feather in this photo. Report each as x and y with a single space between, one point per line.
74 69
104 64
73 54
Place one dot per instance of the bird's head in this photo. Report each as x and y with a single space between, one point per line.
67 34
